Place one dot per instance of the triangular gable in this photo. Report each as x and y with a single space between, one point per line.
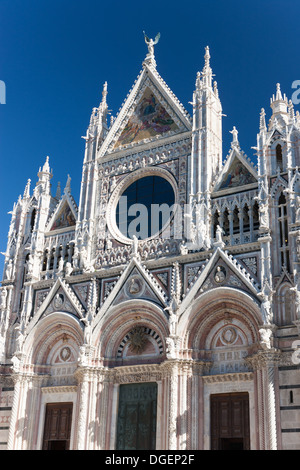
59 288
151 111
149 119
64 216
135 282
221 270
236 172
283 278
275 135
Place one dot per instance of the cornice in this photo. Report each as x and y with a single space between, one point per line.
142 147
60 389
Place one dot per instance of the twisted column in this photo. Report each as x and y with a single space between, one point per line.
266 362
173 406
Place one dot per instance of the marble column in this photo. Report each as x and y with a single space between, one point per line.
265 363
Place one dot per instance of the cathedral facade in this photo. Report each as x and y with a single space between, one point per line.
163 311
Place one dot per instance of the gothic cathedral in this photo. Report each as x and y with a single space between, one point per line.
163 311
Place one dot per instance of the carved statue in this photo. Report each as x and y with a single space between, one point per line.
171 349
183 248
69 269
234 133
9 268
135 245
265 336
151 43
263 211
61 265
134 287
3 299
297 218
219 233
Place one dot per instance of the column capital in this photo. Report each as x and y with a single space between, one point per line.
263 359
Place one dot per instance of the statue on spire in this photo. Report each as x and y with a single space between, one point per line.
151 43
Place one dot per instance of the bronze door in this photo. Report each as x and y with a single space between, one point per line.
230 422
57 428
136 428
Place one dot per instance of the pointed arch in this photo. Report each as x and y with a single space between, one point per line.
279 158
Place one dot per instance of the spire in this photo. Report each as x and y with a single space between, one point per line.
291 111
278 103
92 299
176 284
103 105
44 176
278 92
58 191
46 167
207 71
262 120
207 57
27 189
68 186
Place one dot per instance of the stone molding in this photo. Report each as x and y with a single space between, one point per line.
235 377
60 389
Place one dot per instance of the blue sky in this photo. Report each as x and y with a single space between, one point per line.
55 56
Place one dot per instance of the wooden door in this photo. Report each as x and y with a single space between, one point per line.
136 428
57 428
230 422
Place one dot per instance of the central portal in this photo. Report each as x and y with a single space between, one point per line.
136 428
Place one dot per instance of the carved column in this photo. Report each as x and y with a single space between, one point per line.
265 364
103 394
82 375
171 368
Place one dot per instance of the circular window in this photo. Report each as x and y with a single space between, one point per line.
145 207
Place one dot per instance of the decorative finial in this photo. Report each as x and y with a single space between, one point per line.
104 93
68 185
27 189
207 56
46 167
262 119
278 92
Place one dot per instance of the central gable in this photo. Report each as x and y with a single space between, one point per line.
150 112
149 119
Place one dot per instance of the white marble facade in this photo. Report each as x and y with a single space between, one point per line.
212 308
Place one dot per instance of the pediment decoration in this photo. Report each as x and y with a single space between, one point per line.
221 270
135 283
237 171
64 216
149 119
60 298
275 135
150 112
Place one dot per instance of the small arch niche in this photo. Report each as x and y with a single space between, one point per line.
279 160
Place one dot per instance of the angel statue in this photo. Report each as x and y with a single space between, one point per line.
151 43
